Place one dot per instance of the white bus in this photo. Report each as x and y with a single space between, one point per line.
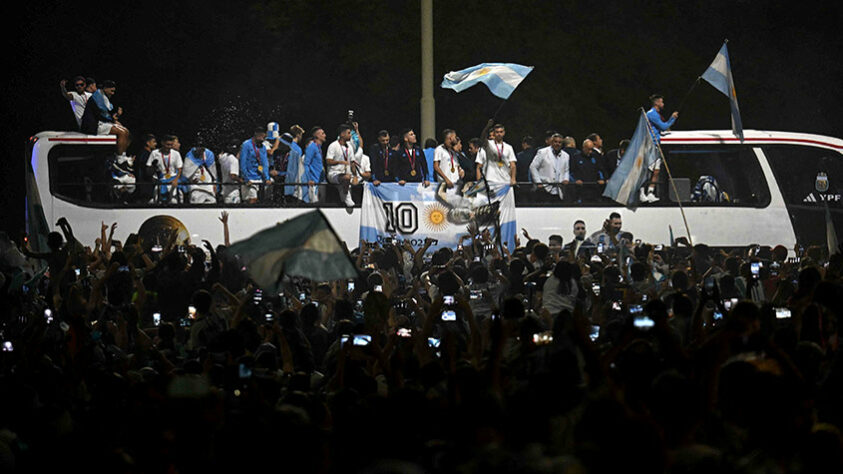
770 180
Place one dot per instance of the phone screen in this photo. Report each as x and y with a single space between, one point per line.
782 313
449 315
361 339
156 318
448 299
643 322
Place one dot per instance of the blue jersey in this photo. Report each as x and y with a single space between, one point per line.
254 166
657 124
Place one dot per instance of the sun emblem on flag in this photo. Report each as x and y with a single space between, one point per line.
435 217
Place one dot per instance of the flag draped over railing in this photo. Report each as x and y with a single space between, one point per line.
719 75
500 78
414 212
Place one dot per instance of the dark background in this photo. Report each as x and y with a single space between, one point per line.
212 70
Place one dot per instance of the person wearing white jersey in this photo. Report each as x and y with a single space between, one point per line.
339 158
446 164
496 160
78 98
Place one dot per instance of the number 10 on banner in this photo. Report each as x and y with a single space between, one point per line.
402 218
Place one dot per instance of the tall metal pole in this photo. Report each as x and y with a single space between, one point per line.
428 105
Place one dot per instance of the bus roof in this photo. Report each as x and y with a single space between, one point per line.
679 137
751 137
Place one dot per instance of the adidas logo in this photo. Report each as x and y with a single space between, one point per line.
810 198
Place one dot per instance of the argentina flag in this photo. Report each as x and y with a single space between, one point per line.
719 75
631 173
500 78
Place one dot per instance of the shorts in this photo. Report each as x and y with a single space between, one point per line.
104 128
249 191
656 165
334 178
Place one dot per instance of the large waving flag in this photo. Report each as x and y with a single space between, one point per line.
500 78
304 246
631 173
719 75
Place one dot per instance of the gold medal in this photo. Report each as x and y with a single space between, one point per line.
500 164
413 173
452 168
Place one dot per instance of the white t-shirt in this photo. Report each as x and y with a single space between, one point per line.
337 152
77 103
229 165
449 163
168 164
496 168
363 164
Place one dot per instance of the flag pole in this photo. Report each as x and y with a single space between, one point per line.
672 183
687 94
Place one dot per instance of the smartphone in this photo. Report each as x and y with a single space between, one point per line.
48 315
404 332
594 333
644 298
191 312
302 296
709 285
268 317
184 322
8 347
244 371
433 342
449 315
600 247
543 338
350 286
476 259
782 313
156 319
78 271
448 299
755 267
636 309
595 288
475 294
718 315
379 288
123 268
644 323
361 339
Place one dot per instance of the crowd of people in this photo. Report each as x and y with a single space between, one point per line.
603 354
295 167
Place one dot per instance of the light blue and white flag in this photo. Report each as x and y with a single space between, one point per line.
719 75
632 171
414 212
500 78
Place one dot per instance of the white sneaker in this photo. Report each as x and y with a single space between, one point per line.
643 197
348 201
652 197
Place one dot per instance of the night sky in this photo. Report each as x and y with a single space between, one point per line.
212 70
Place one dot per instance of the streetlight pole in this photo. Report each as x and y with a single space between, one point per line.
428 104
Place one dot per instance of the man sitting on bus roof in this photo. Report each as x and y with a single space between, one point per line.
100 118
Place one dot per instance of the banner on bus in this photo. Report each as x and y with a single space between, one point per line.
414 212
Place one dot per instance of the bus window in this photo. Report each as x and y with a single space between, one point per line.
735 170
796 169
78 173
